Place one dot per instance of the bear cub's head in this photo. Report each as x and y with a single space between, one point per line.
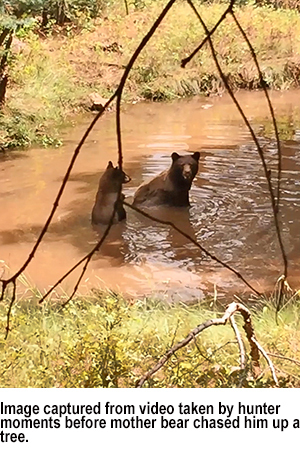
112 178
183 169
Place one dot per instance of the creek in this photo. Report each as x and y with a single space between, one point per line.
230 216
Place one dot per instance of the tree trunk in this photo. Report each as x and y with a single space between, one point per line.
3 85
44 17
3 64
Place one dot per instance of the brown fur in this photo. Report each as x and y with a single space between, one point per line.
171 187
110 185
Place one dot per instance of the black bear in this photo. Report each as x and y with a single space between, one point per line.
109 185
171 187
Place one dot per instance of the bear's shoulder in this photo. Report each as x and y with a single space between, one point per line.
171 187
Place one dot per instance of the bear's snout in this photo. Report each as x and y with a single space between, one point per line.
187 172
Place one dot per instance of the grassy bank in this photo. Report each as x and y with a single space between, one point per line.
107 341
51 76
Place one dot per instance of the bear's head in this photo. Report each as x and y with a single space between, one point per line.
183 169
112 178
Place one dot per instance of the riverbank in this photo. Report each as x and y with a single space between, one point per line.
106 340
53 76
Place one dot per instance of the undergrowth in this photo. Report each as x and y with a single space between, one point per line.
53 74
108 341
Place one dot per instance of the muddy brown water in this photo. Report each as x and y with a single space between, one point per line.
230 213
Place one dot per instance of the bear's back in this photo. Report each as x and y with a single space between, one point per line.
109 187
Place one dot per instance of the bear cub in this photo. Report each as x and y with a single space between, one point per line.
171 187
109 185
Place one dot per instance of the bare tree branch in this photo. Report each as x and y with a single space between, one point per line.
197 244
264 87
126 7
279 153
283 357
267 172
263 352
13 297
87 258
118 93
185 61
239 341
132 60
56 202
229 312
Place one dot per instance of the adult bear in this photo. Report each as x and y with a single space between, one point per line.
109 186
171 187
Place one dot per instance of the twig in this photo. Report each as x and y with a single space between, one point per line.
249 330
239 341
132 60
185 61
231 309
279 167
56 202
126 7
264 87
175 332
197 244
118 93
282 357
175 348
13 297
199 350
267 172
297 378
263 352
86 258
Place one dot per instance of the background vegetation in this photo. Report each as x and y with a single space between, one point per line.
108 341
56 61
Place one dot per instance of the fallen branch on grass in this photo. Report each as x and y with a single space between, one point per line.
283 357
255 347
239 341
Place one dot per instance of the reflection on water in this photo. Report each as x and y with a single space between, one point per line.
230 213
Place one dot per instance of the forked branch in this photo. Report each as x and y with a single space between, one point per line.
232 309
118 94
185 61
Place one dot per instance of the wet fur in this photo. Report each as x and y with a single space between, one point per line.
110 185
171 187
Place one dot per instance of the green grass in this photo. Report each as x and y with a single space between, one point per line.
51 78
41 97
108 341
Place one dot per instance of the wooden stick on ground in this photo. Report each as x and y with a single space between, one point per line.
263 352
255 347
239 341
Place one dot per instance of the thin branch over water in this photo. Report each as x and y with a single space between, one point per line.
118 95
267 172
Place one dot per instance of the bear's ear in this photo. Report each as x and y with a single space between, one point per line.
196 156
175 156
110 165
